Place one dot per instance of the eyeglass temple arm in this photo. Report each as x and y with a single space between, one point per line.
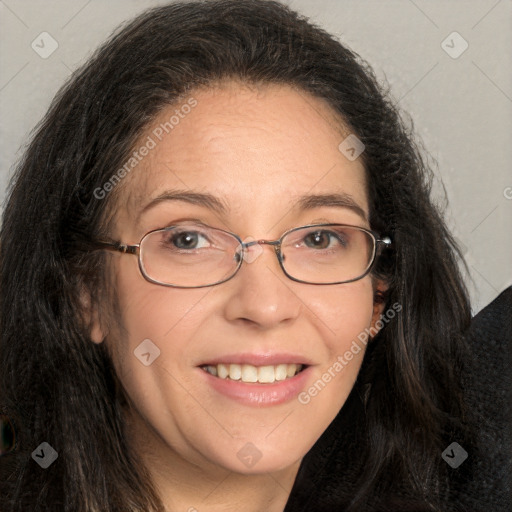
115 246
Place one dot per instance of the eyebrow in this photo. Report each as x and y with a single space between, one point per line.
303 203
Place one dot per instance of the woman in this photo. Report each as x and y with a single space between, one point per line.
155 353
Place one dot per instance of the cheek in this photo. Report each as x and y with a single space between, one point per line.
344 318
152 350
147 308
343 312
148 317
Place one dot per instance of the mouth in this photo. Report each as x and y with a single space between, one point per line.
251 374
258 379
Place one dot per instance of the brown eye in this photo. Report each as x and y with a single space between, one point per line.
185 240
322 239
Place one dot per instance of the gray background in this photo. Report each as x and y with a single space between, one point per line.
461 107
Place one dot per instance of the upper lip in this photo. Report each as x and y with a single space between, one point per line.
258 359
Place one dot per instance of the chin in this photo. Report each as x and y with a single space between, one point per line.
250 459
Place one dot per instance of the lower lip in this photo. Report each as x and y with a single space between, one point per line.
259 394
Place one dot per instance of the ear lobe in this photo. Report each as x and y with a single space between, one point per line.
379 302
378 309
91 317
96 331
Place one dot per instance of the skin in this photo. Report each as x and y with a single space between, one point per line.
257 149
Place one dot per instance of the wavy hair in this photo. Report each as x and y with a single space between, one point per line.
61 388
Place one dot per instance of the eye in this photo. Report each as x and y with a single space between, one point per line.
321 239
186 240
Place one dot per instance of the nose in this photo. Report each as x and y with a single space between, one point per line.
260 292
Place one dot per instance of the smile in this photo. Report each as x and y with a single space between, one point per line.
251 374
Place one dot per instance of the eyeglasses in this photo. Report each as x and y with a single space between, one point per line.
195 255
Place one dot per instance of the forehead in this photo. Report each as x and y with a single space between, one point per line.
248 146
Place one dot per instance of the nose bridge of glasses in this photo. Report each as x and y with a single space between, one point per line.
275 243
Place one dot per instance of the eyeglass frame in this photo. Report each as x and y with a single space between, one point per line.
135 249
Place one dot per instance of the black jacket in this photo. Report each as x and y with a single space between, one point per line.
483 481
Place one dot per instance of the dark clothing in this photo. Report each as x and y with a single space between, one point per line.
482 482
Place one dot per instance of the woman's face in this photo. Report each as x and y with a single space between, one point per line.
258 152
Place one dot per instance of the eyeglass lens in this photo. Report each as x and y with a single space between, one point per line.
197 255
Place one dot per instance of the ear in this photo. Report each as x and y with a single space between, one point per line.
379 302
91 317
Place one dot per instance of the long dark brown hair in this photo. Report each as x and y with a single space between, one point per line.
59 387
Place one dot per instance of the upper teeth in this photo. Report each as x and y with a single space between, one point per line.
250 373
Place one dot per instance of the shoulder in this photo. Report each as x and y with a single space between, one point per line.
487 379
487 375
482 482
